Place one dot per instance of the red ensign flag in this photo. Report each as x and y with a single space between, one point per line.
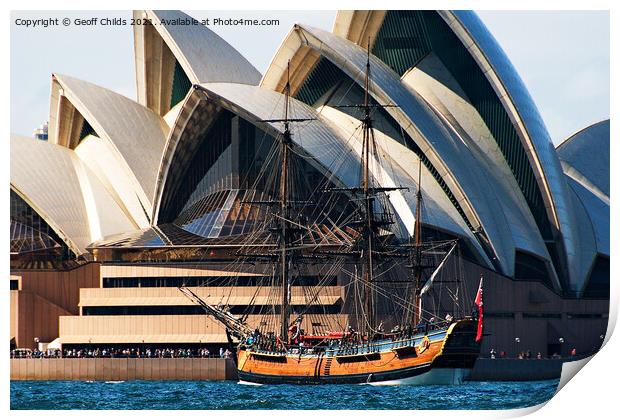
478 303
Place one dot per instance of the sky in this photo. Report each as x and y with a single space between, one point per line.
562 56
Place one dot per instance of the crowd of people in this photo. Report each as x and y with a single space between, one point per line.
521 355
177 353
118 352
527 355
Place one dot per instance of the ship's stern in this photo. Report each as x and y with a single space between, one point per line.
460 349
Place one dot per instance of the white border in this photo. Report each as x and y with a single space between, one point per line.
591 394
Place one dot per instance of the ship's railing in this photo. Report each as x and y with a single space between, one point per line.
337 347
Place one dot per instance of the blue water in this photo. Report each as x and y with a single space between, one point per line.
224 395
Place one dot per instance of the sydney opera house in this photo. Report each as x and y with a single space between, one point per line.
127 200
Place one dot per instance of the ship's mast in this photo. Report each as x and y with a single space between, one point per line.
368 146
417 263
369 222
285 228
284 214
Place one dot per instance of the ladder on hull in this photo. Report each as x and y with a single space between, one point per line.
327 366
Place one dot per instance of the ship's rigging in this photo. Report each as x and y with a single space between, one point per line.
357 236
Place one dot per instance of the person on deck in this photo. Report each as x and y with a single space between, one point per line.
430 325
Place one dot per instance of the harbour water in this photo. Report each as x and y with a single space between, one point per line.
230 395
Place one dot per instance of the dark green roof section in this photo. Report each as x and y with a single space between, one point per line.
323 77
180 85
403 39
407 36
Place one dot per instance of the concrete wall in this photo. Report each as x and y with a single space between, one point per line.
516 369
170 296
151 270
148 329
44 296
122 369
62 288
33 316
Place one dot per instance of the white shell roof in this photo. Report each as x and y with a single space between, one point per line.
520 107
484 198
65 193
135 134
434 83
582 159
585 160
531 129
204 55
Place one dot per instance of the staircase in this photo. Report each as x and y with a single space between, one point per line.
327 366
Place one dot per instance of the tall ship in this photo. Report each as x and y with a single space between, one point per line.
389 337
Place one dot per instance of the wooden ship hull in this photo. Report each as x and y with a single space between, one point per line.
444 355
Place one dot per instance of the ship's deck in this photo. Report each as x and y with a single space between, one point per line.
348 350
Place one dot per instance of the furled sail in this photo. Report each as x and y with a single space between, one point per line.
429 282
